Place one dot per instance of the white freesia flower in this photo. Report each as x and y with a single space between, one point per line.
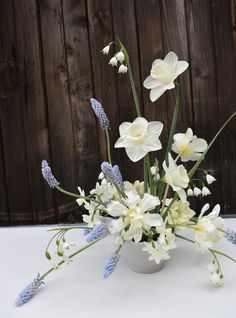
163 74
210 179
188 146
113 61
122 69
81 201
106 49
176 177
208 228
196 191
179 212
157 252
133 215
205 191
139 137
120 56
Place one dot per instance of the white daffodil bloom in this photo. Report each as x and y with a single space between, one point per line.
176 177
106 49
188 146
205 191
122 69
196 191
133 215
113 61
210 179
81 201
163 74
136 186
139 137
157 252
120 56
179 212
208 228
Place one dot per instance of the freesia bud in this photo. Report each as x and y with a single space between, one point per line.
120 56
113 61
210 179
123 69
106 49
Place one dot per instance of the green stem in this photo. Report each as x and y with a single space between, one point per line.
70 256
108 146
164 199
145 175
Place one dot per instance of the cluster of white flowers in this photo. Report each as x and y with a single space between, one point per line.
216 276
117 60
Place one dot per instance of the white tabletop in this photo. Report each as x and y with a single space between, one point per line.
180 289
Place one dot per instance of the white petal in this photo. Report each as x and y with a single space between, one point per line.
151 82
199 145
157 61
152 143
171 59
155 127
123 142
157 92
142 121
136 153
123 127
153 219
181 67
182 195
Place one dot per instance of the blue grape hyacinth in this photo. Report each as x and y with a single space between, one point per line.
100 113
99 231
118 176
112 174
47 174
231 236
28 292
110 264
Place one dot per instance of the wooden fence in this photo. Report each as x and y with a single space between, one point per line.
51 65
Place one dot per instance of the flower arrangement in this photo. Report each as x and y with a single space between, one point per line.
152 211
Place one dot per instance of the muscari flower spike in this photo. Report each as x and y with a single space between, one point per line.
47 174
110 264
231 236
112 174
99 231
100 113
28 292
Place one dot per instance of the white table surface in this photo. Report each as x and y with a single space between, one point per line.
180 289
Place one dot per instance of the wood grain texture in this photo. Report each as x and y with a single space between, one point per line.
51 65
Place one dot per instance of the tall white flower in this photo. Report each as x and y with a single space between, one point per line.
188 146
208 228
163 74
176 177
139 137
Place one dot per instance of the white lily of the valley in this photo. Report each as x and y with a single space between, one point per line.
106 49
210 179
163 74
133 215
122 69
189 192
196 191
188 146
113 61
176 177
208 228
120 56
205 191
139 137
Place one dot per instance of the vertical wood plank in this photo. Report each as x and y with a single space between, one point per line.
81 90
34 108
5 218
204 86
226 93
59 103
123 11
12 124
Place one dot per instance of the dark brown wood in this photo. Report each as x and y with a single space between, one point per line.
51 64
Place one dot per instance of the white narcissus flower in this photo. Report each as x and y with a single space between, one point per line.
196 191
208 228
122 69
120 56
205 191
113 61
163 74
139 137
179 212
157 252
188 146
81 201
210 179
133 215
176 177
106 49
